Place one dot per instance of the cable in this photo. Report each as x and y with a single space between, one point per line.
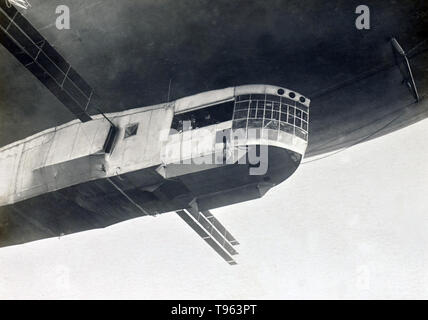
128 197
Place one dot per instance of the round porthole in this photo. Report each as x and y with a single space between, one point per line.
280 92
302 99
292 95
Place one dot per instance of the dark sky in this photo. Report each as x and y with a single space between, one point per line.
129 50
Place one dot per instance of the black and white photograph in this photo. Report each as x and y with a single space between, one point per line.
213 150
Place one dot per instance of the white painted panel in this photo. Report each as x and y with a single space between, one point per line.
171 149
62 145
85 142
9 161
31 159
204 98
134 146
158 121
203 141
102 129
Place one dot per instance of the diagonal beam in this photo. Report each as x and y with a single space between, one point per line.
213 232
187 217
33 51
209 216
411 80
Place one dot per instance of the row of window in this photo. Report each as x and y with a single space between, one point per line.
271 110
203 117
250 111
287 114
260 104
271 98
274 125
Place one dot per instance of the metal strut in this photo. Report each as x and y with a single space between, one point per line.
411 80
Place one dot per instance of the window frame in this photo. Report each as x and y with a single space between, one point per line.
285 111
128 134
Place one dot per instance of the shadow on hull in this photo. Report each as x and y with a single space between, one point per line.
98 204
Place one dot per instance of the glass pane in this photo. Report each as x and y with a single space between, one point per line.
291 110
275 115
253 104
283 116
298 113
273 98
255 123
301 134
243 97
305 116
276 106
241 114
268 114
260 104
290 119
131 130
241 105
286 127
288 101
252 113
260 113
305 126
273 124
257 97
239 124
